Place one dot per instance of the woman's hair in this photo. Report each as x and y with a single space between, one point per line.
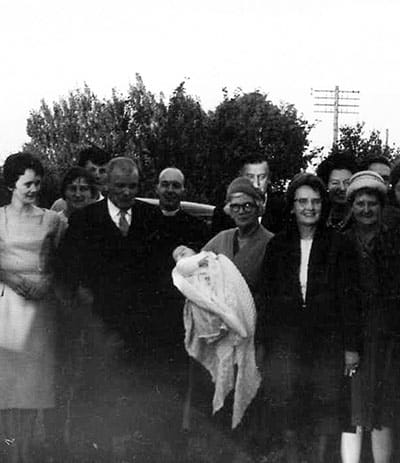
312 181
16 165
395 175
75 173
335 161
369 191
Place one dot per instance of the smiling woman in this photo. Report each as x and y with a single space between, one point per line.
376 381
245 246
78 189
308 291
29 237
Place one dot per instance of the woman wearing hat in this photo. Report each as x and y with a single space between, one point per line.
245 246
376 372
312 322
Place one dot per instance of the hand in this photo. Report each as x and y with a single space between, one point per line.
39 290
351 362
36 291
17 283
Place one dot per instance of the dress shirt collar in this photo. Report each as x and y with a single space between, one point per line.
100 197
169 213
115 211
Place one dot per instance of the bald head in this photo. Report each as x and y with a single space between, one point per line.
170 188
172 173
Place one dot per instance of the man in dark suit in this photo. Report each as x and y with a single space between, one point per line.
105 252
172 227
256 168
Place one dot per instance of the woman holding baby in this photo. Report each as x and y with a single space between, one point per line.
243 248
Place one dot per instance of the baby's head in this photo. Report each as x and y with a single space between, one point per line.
182 251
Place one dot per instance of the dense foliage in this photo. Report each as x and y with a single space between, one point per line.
206 146
354 142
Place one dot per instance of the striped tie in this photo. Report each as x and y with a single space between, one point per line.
123 223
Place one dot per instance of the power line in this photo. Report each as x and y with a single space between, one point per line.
336 102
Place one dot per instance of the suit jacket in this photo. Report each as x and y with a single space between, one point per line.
164 301
94 254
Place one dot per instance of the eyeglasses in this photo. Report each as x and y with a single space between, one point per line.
246 207
303 202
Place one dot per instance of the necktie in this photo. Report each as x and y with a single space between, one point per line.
123 223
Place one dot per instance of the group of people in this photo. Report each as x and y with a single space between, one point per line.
320 266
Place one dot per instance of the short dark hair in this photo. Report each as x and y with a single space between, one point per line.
94 154
78 172
336 161
377 159
253 158
16 165
315 183
395 175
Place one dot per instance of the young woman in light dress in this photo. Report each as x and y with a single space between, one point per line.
29 237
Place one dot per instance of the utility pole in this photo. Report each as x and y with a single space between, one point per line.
336 101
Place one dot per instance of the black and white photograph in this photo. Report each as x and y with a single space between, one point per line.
199 231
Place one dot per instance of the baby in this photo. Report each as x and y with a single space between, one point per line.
199 271
219 318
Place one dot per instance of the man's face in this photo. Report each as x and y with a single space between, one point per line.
338 184
122 187
170 189
382 169
366 209
99 172
258 174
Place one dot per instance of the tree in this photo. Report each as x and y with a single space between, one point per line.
206 146
354 142
249 123
121 125
185 141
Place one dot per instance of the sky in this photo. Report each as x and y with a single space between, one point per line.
285 49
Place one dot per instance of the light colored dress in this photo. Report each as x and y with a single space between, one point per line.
26 248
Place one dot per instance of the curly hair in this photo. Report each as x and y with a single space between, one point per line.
75 173
312 181
16 165
337 161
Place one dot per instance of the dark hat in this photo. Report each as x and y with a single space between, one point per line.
243 185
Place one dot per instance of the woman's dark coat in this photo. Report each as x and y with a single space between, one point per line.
306 340
331 304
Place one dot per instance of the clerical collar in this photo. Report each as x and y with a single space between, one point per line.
169 213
